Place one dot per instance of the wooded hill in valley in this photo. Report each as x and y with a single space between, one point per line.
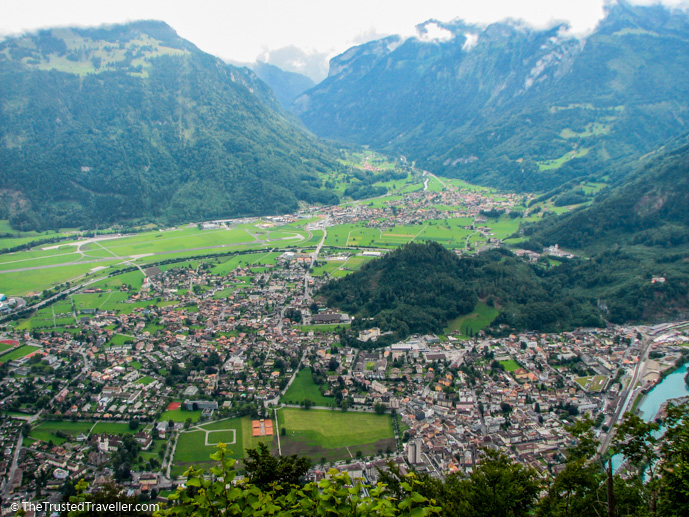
420 287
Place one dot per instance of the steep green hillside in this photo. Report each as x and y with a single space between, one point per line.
131 121
512 106
419 288
634 233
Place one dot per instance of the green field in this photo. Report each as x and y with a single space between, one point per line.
303 388
452 233
35 281
328 267
192 451
582 381
45 431
548 165
592 129
334 434
19 238
120 339
471 324
326 327
71 261
510 365
17 353
227 265
180 415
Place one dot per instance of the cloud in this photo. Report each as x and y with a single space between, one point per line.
310 63
432 32
471 40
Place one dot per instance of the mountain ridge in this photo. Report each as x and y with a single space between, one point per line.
133 122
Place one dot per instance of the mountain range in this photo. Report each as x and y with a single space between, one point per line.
286 86
131 122
509 105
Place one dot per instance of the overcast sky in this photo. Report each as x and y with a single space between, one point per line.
296 34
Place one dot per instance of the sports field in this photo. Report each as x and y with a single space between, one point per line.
180 415
197 443
334 434
17 353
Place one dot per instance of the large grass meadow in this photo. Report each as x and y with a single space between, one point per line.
334 434
28 272
472 323
45 431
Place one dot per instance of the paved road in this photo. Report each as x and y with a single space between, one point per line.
314 258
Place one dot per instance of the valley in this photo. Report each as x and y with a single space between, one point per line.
192 334
453 272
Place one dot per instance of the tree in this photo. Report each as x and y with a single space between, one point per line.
674 485
263 469
576 489
500 486
109 494
338 495
636 440
379 408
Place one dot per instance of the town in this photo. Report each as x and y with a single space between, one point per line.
137 377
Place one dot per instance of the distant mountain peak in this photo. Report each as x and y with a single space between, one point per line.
510 104
81 51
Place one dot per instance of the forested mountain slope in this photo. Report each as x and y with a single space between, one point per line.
286 86
419 288
636 236
132 121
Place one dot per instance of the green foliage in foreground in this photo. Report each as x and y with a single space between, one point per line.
219 495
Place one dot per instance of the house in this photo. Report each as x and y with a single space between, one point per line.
195 405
